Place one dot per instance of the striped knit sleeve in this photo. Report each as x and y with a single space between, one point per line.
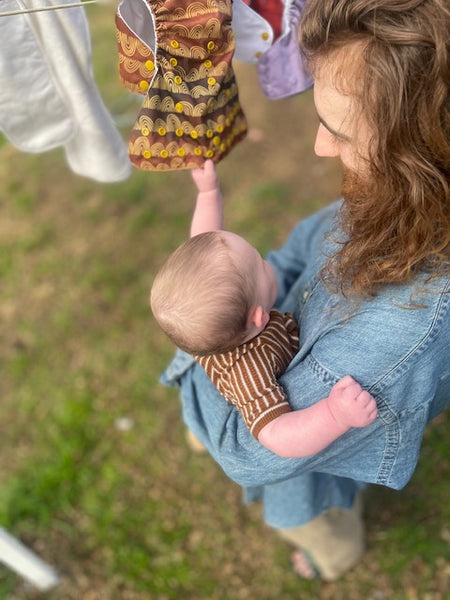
247 376
257 393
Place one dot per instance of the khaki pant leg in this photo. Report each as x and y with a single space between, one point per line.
334 540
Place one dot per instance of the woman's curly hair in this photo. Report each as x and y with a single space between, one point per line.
403 225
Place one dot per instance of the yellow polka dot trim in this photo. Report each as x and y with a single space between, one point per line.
144 85
207 64
211 80
177 79
193 134
147 154
164 154
211 45
209 154
161 131
179 107
174 44
173 61
198 151
150 65
178 132
181 152
145 131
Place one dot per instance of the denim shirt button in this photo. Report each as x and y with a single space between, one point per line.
305 295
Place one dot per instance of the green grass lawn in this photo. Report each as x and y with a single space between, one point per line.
96 474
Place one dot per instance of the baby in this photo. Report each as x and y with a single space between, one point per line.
214 298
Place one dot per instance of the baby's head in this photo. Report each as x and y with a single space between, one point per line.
213 293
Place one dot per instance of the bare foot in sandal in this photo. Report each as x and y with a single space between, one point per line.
302 565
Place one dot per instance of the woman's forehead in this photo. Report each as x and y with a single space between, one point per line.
336 80
334 108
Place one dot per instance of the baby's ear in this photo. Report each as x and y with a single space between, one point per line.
258 317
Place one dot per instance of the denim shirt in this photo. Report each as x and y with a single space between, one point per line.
396 345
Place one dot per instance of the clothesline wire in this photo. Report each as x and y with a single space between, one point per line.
43 8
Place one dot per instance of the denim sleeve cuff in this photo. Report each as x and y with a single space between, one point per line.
181 362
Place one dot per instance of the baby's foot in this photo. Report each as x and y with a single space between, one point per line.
350 405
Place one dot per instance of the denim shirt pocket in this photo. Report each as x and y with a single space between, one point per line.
402 430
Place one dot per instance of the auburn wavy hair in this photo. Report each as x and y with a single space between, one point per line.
403 225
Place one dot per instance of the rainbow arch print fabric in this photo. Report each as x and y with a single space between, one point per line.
191 110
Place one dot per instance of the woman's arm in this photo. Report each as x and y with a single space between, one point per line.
220 427
399 355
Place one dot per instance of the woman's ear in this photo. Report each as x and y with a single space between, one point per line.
258 318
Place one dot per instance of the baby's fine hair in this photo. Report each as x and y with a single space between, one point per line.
201 298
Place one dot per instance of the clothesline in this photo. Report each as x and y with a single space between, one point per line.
10 13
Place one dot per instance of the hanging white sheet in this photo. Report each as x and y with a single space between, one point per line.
48 95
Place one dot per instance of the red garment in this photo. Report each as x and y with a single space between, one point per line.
272 11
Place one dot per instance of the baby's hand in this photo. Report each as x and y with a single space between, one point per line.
350 405
205 177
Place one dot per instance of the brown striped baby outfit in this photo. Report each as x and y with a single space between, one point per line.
247 376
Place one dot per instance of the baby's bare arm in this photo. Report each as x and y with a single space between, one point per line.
308 431
208 212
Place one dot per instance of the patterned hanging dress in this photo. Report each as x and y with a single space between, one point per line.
191 110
